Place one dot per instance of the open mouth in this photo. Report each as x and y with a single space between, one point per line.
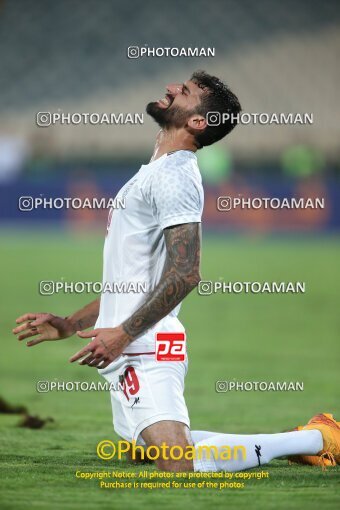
166 101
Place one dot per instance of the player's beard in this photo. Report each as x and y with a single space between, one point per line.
167 118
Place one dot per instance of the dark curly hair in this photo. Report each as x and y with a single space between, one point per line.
218 98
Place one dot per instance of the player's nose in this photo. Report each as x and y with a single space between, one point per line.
174 88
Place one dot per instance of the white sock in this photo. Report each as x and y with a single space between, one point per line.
259 449
199 435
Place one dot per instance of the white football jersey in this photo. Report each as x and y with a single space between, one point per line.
167 191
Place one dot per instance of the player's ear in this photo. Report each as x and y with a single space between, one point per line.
197 122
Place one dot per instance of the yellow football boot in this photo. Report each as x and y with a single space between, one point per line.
330 430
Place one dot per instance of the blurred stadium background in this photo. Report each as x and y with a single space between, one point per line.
277 57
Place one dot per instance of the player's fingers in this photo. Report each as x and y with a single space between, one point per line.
96 362
42 320
86 350
87 360
105 364
22 327
27 335
26 317
35 342
87 334
93 358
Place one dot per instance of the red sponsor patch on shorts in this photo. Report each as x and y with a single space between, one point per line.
170 346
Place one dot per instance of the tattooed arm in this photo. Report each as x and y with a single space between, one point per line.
180 276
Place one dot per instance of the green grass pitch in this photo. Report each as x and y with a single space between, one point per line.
242 337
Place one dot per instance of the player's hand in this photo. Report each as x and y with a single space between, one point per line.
107 344
44 327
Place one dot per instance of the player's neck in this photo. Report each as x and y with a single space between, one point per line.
171 141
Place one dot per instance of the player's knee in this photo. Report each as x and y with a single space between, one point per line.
168 435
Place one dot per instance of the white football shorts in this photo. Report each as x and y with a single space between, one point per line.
152 392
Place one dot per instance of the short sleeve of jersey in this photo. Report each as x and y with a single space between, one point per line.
176 193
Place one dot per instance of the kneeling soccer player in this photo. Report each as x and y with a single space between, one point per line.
155 240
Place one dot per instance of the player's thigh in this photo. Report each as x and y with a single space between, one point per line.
172 434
